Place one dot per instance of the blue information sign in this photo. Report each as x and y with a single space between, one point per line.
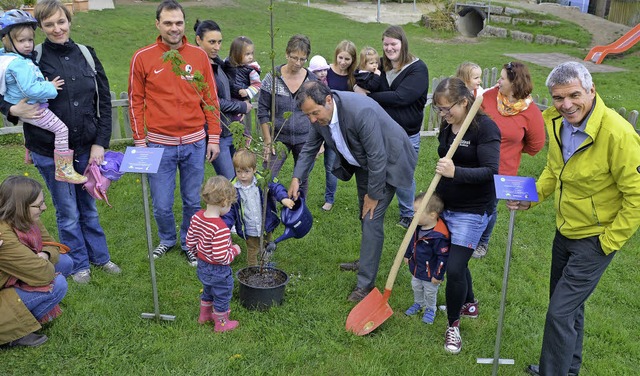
515 188
141 160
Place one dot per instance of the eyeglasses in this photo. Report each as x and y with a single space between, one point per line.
38 206
445 110
298 59
509 66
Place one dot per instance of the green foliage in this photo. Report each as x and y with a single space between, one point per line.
10 4
441 19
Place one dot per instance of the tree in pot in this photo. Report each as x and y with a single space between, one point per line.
260 286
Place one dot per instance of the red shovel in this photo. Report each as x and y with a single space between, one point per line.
374 309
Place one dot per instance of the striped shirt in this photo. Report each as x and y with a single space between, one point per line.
210 238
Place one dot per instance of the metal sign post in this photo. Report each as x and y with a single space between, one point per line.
508 188
146 161
503 299
147 219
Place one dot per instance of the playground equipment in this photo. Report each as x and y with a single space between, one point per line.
598 53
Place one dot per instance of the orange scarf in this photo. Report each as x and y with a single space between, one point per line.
507 108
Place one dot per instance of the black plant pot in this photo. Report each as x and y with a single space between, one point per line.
260 291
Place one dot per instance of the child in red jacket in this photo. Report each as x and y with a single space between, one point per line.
210 238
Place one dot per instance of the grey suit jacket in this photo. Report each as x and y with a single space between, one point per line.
375 140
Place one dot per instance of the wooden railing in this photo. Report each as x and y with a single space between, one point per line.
121 128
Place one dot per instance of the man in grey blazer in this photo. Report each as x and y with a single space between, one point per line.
370 145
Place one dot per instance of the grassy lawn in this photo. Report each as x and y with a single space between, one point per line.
101 331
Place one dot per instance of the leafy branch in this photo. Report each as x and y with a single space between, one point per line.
240 140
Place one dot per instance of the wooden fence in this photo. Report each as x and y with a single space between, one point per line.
121 129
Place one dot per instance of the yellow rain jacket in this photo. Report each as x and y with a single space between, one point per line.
597 192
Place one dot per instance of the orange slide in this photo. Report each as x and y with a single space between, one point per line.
625 42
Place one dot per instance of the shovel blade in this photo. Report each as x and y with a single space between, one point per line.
370 313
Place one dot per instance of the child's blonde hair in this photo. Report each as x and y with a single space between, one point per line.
464 71
219 191
236 50
243 158
435 203
365 54
13 33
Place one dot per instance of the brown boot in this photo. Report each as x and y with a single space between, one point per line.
64 168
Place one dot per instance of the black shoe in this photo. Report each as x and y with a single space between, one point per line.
358 294
160 250
350 266
404 222
534 369
30 340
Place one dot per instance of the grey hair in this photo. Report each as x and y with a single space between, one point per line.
567 72
315 90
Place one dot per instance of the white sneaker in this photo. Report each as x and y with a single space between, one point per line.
191 258
83 276
452 338
111 268
480 251
160 250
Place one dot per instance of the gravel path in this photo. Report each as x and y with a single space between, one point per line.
602 30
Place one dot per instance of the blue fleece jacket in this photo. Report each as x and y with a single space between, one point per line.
21 78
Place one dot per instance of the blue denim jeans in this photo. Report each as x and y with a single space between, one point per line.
217 284
486 235
40 303
64 265
189 160
465 228
331 181
76 214
406 195
224 163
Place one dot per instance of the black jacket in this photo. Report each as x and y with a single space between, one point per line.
228 107
75 104
477 158
404 100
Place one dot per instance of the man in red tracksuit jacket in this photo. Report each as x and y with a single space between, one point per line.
168 111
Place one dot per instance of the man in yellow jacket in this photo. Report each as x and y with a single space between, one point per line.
593 167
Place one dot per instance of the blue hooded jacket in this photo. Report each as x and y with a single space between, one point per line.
428 252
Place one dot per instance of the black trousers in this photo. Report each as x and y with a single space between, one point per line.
576 268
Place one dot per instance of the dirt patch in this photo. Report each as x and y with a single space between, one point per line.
266 279
390 13
208 3
455 40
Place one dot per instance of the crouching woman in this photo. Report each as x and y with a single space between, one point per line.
32 273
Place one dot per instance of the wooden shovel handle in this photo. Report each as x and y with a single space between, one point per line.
432 187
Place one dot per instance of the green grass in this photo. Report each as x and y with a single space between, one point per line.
101 331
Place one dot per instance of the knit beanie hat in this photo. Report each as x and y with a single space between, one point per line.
318 63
